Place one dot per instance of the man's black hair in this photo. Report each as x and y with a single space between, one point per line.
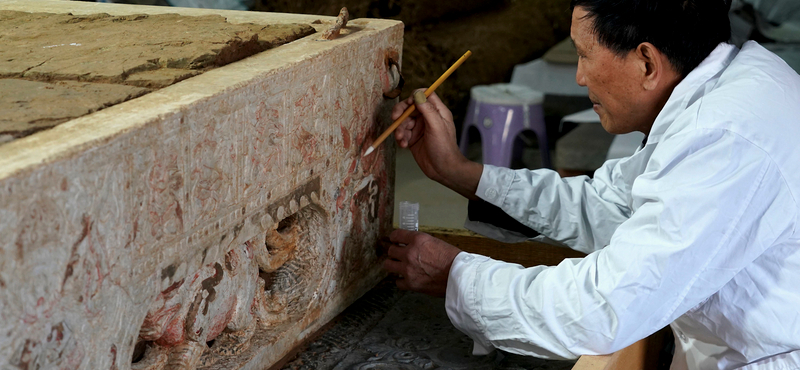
686 31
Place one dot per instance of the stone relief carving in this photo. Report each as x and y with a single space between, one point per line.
183 241
259 285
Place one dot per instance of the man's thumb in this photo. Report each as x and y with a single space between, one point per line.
420 98
421 101
427 108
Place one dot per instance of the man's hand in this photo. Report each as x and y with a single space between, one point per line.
431 137
422 262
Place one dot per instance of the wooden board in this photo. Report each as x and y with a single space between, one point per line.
642 355
528 253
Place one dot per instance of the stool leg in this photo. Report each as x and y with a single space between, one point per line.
464 144
540 129
498 154
544 149
469 121
500 148
518 147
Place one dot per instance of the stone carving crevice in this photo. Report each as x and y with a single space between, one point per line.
267 282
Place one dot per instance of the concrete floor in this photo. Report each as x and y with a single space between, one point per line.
438 205
399 330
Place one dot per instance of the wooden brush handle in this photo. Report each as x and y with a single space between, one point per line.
413 107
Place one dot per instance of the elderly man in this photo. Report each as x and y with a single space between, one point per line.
697 230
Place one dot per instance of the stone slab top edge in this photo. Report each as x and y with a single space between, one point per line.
78 135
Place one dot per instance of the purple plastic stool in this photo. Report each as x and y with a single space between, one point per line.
500 112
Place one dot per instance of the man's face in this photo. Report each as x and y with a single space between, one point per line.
614 82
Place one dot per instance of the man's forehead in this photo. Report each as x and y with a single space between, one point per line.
579 41
580 14
581 31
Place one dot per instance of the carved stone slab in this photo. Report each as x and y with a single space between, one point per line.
215 223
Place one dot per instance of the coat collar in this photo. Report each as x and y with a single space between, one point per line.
692 88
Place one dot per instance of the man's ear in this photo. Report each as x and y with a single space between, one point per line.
652 63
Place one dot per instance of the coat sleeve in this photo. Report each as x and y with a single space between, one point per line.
710 203
579 211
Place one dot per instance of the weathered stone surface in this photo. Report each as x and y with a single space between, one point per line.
106 48
213 223
159 78
30 106
151 51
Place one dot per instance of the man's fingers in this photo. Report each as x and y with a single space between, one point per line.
440 107
435 116
416 133
401 107
435 122
395 267
405 132
400 136
428 110
397 252
400 236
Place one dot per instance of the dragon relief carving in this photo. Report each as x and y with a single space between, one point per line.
212 304
215 311
293 266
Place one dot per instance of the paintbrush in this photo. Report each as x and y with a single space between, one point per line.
413 107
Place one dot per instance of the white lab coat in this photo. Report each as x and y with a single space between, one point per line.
697 230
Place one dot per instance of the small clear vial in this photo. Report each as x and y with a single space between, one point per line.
409 216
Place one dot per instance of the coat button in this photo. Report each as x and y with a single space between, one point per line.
491 194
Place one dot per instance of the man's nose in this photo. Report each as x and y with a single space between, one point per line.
579 76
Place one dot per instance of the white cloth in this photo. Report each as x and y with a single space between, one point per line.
697 230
